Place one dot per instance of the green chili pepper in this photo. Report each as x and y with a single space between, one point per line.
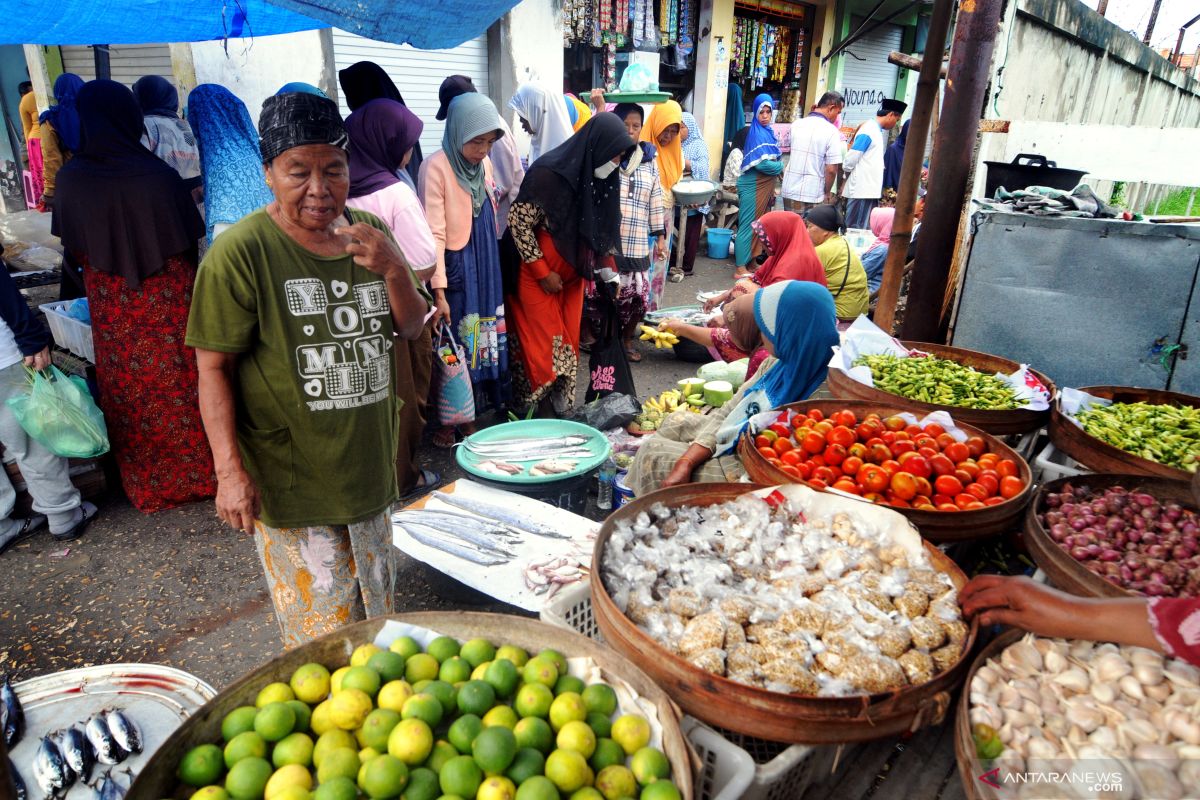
1169 435
939 381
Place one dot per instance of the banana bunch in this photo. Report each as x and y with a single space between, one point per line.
661 339
665 403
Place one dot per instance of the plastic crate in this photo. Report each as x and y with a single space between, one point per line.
68 332
1050 465
782 771
726 770
571 608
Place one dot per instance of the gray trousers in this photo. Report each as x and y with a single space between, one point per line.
45 474
858 213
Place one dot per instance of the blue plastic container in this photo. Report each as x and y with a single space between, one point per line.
718 242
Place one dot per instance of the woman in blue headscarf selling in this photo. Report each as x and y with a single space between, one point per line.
762 162
796 323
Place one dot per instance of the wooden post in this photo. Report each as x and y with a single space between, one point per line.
914 157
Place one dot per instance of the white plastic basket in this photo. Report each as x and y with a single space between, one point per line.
726 770
1050 465
68 332
571 608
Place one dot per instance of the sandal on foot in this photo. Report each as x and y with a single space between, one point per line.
633 355
29 526
445 438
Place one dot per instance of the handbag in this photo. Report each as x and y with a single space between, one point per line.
455 394
608 367
59 413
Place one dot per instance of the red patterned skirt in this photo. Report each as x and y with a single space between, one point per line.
148 381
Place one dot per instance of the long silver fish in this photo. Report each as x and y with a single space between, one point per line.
13 716
472 521
103 745
455 548
484 533
51 771
499 514
522 456
76 749
18 782
124 731
485 546
532 443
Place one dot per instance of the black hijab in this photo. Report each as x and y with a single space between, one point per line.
156 96
117 204
581 210
366 81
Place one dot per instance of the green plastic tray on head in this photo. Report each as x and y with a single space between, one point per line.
637 97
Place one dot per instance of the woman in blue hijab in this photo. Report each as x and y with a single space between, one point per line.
761 164
796 323
60 131
229 157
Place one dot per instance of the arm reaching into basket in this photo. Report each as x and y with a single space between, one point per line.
1166 624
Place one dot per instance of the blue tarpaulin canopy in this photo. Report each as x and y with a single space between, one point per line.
427 24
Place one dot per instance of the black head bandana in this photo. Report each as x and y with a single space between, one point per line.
296 119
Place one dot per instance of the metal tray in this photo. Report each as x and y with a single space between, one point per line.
155 697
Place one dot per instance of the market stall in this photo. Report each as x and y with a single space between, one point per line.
770 53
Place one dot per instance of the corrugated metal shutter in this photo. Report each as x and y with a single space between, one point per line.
417 73
867 77
127 62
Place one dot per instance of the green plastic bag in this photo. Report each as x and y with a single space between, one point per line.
58 411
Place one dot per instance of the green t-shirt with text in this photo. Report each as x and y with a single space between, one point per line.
316 400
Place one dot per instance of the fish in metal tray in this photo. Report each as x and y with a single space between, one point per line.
77 751
124 731
458 548
12 717
103 745
500 514
18 782
50 770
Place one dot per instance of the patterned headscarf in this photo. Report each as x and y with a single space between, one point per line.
470 115
296 119
694 148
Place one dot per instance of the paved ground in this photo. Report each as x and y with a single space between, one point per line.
178 588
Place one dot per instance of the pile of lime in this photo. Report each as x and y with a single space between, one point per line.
456 721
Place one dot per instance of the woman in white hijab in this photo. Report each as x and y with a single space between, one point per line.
543 116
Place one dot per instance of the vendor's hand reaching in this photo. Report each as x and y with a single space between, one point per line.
714 302
551 284
238 501
673 324
1021 603
680 474
39 361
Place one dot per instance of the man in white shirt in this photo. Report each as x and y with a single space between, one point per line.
816 154
864 163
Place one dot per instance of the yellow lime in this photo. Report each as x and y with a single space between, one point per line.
480 670
528 762
649 765
557 658
660 790
362 654
405 646
332 740
320 722
514 654
477 651
367 753
455 670
577 736
376 728
303 715
337 789
536 733
586 793
496 788
568 683
463 731
411 741
421 667
422 785
538 787
389 665
566 708
240 720
601 698
335 680
274 721
362 678
385 776
615 782
423 706
606 754
295 748
460 776
340 762
286 777
503 676
310 683
202 765
501 716
290 793
541 671
568 770
494 749
211 793
244 745
274 693
476 697
632 732
443 648
393 695
248 778
533 699
443 751
349 708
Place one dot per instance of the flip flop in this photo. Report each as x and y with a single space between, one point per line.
429 481
444 439
29 526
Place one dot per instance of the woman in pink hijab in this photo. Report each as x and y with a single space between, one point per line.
876 254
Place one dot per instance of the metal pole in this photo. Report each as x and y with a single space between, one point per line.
1176 57
1102 7
950 165
1153 19
910 169
100 54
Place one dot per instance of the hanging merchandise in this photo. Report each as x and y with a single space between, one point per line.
779 60
789 105
687 25
610 67
621 22
644 36
798 68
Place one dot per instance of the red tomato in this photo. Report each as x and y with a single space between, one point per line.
941 499
836 470
847 485
866 430
874 497
990 483
944 440
805 470
924 487
977 490
817 484
880 453
790 471
941 465
791 457
891 467
780 430
948 485
964 499
872 415
988 460
948 507
918 465
768 453
904 446
902 436
813 442
903 486
823 474
993 501
783 445
1011 486
798 421
858 450
889 437
971 468
926 441
852 465
923 502
913 431
842 435
977 446
964 476
934 430
895 423
928 452
815 414
957 452
897 502
978 504
874 440
872 478
775 462
835 454
1008 468
817 460
763 441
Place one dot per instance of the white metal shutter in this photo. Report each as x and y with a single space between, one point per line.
127 62
867 77
416 73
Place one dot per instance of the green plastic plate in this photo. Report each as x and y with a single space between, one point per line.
637 97
528 429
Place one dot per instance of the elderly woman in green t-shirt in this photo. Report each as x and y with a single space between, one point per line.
292 318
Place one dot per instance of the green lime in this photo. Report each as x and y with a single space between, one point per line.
535 733
289 782
460 776
503 677
533 699
463 731
443 751
240 720
476 697
419 686
310 683
367 753
423 706
337 789
389 666
540 670
295 748
586 793
568 683
527 763
247 779
274 693
455 670
649 765
606 754
568 769
477 651
362 678
557 658
660 790
411 741
405 646
340 762
274 721
376 728
332 740
245 745
385 776
443 648
600 724
514 654
421 667
577 736
615 782
446 694
422 785
566 708
601 698
202 765
494 749
211 793
303 715
538 787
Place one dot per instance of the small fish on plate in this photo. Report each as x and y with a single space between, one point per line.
493 467
553 466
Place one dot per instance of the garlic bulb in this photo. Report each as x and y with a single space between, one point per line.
1132 687
1022 658
1104 692
1110 667
1073 679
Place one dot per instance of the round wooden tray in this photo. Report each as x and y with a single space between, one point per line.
1065 572
1103 457
940 527
1000 423
969 767
157 779
791 718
